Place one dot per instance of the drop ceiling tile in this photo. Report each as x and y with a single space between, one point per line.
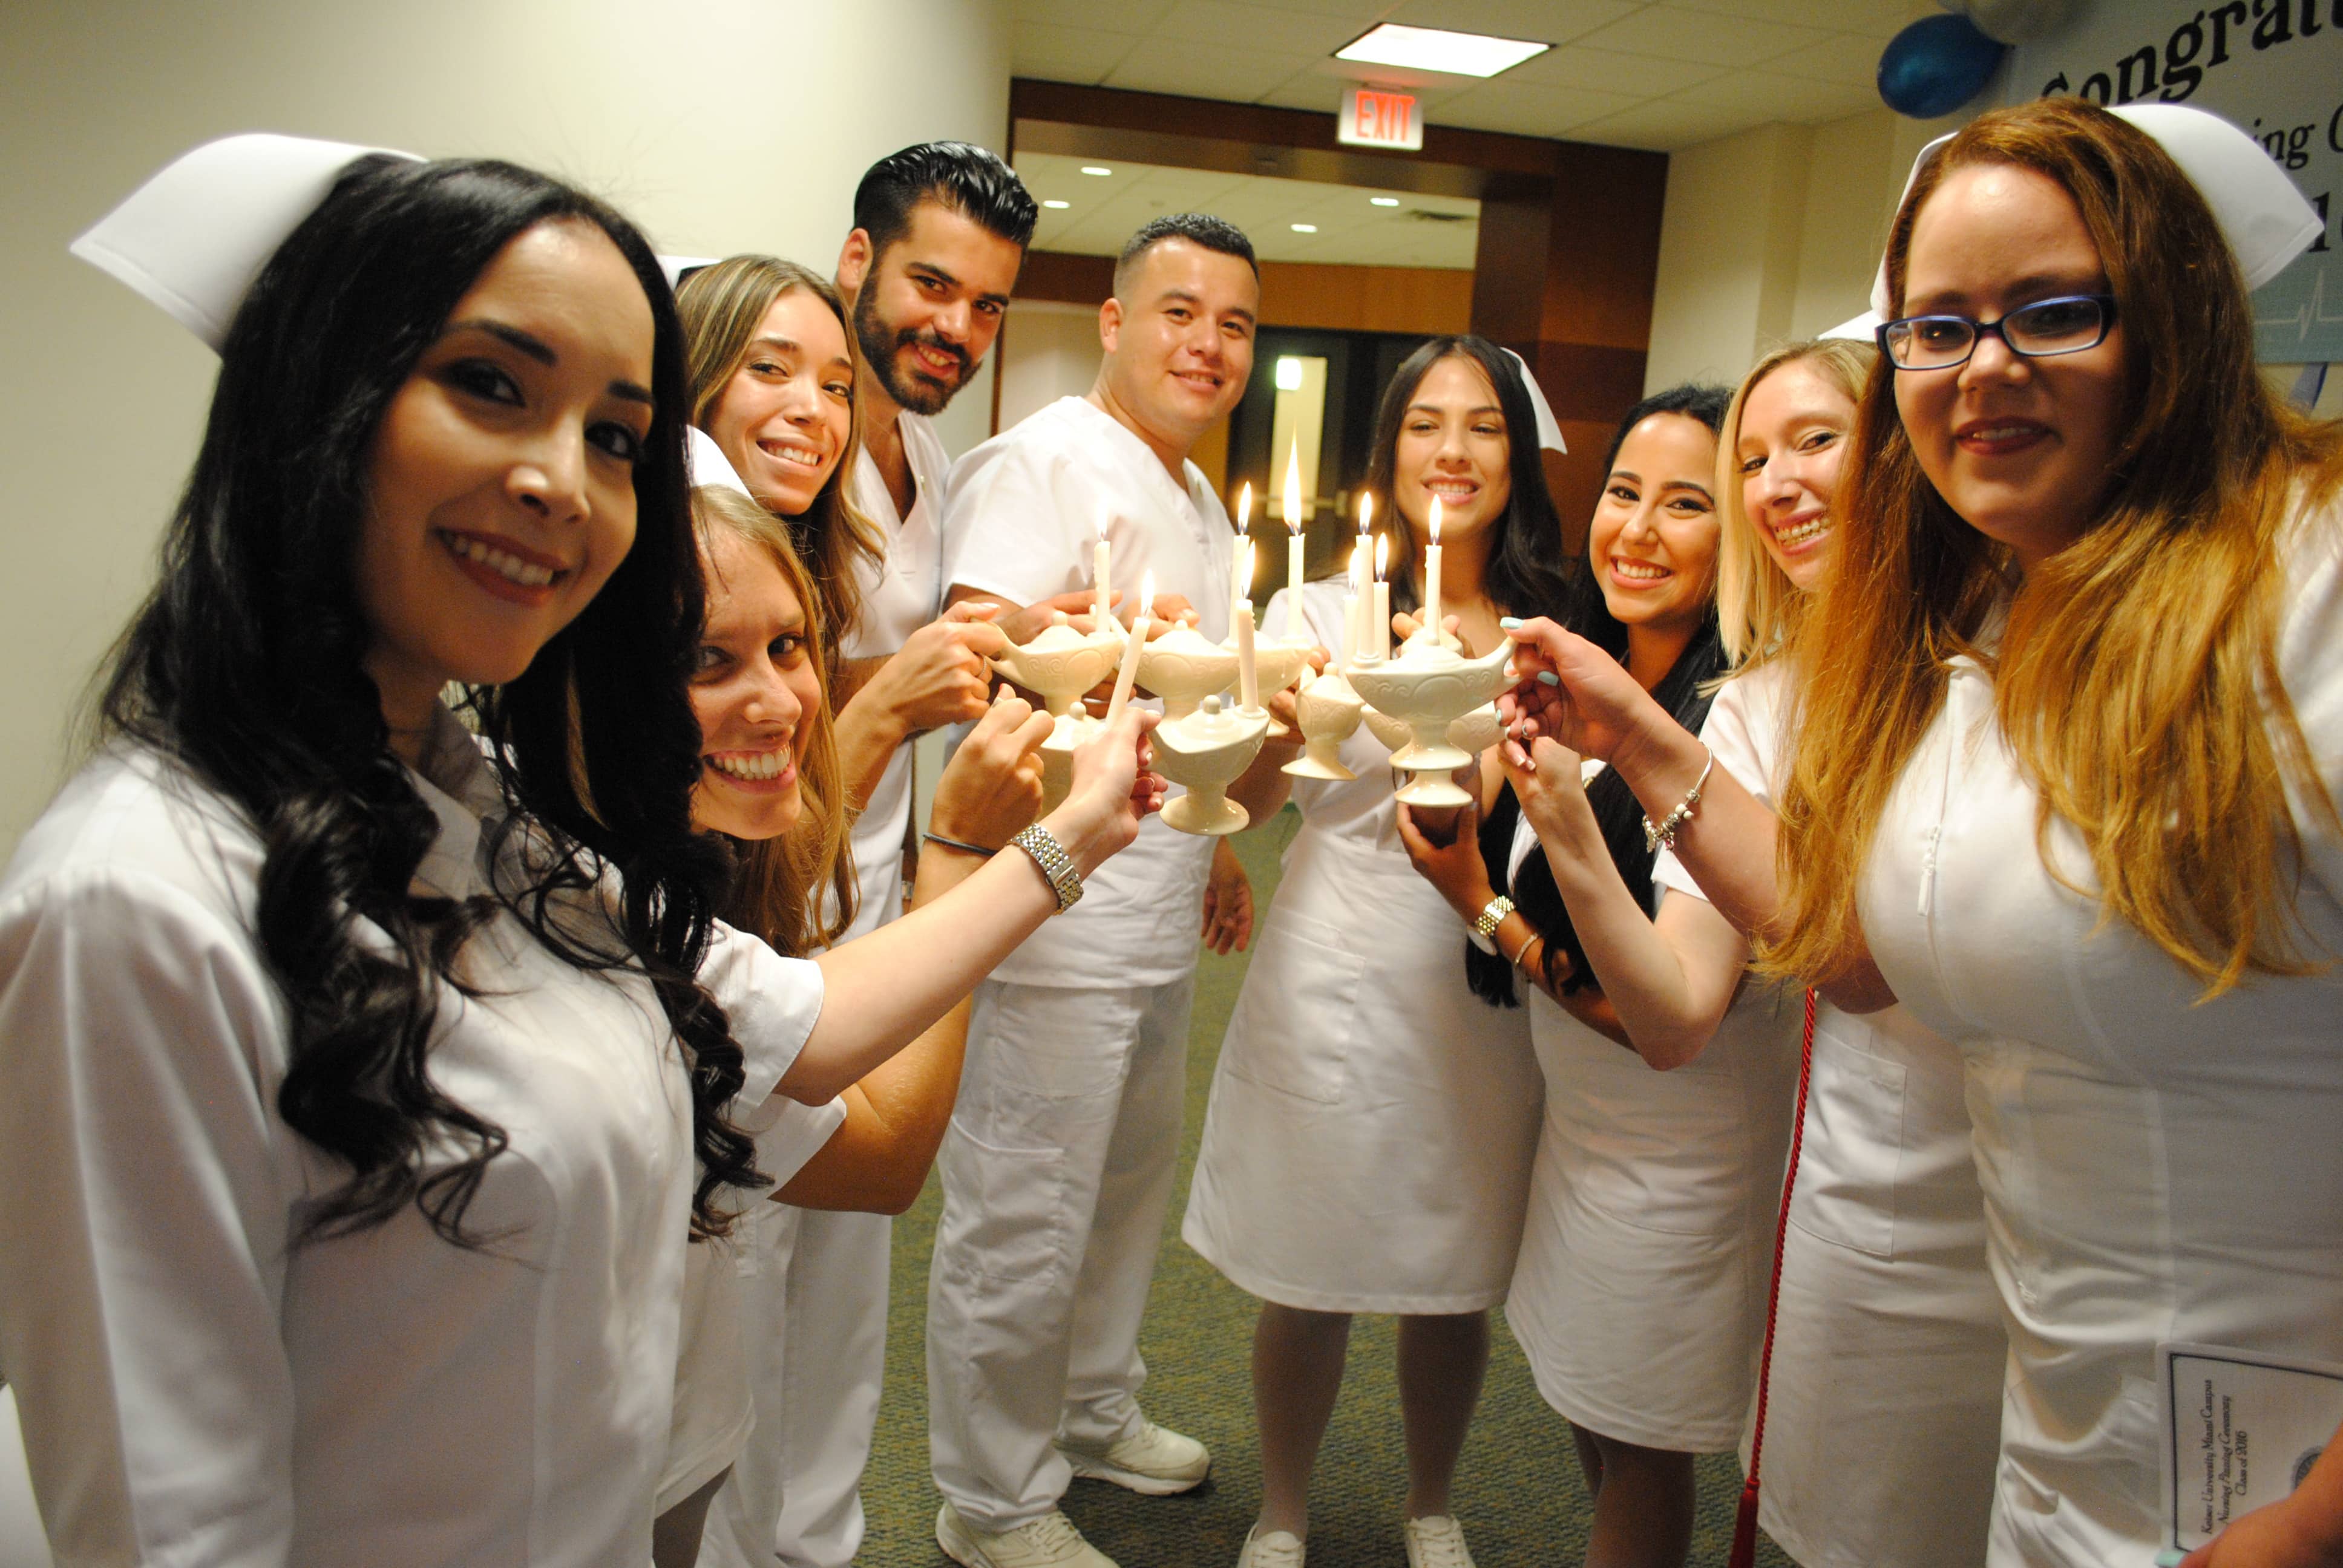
1850 59
1056 54
1236 75
1670 32
1132 16
1360 11
1664 125
1532 111
1222 24
1552 21
1607 71
1760 96
1880 19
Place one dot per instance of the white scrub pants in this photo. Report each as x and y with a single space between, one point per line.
1057 1172
816 1314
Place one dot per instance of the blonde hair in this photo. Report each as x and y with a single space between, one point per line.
1756 603
777 895
722 307
2136 677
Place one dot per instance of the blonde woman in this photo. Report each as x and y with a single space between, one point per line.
1884 1403
2088 621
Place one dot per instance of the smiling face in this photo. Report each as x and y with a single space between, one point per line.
1793 437
785 415
927 310
1180 346
2021 448
754 687
1452 444
502 490
1653 541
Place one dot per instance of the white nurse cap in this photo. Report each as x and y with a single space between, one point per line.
194 238
1549 429
678 268
705 461
2262 215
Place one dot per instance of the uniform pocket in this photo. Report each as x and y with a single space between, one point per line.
1007 1218
1846 1181
1293 1023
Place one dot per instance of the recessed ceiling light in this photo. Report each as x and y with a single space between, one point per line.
1383 201
1304 228
1057 205
1437 49
1096 169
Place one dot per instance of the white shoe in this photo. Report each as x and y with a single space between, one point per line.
1049 1542
1278 1549
1436 1542
1154 1461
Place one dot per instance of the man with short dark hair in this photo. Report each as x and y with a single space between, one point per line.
1057 1165
939 232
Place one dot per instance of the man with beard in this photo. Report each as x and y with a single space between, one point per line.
939 232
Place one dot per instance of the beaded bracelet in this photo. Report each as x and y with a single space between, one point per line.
1664 837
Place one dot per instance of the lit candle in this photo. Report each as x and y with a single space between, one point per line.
1241 567
1379 634
1350 608
1294 542
1103 605
1128 676
1431 575
1248 679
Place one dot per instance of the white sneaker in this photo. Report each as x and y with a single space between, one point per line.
1278 1549
1049 1542
1436 1542
1154 1461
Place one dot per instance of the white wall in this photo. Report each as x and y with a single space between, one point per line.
1049 350
720 125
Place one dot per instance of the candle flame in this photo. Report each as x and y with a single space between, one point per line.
1146 596
1434 524
1105 520
1244 506
1366 511
1383 552
1294 487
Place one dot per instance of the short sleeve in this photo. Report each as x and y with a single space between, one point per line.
1742 733
1012 516
790 1134
2311 663
143 1238
772 1002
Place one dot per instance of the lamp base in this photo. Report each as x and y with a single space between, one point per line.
1210 816
1430 790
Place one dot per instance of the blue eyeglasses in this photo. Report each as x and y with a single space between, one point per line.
2066 324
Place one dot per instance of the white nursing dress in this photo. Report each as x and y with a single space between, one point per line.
2154 1169
1884 1416
195 1388
1368 1143
1639 1293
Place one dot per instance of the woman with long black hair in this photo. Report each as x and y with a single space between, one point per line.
1640 1291
366 1078
1368 1145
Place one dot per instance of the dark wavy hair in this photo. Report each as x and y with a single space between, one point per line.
1527 571
1685 691
970 180
244 667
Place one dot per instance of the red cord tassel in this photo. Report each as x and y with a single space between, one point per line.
1745 1518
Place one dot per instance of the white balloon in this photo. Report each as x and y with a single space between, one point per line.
2021 21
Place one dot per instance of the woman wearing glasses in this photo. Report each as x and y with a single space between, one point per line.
2087 615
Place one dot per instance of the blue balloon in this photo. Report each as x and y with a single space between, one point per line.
1936 65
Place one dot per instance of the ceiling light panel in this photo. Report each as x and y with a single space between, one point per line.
1436 49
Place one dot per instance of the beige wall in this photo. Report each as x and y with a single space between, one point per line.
1771 234
720 125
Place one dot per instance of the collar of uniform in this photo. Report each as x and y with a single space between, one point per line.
454 782
1140 455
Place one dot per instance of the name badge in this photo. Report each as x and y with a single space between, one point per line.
2240 1429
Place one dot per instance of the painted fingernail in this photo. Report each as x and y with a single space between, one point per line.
1510 622
1548 678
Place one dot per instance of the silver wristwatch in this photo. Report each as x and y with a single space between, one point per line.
1055 863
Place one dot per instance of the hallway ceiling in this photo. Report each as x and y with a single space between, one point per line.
1656 73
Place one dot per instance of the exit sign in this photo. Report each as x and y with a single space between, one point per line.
1378 117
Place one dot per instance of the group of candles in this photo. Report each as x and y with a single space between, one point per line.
1366 608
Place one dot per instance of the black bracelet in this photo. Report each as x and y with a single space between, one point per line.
977 849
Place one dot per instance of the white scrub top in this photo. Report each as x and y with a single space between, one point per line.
197 1390
1883 1418
900 595
1639 1296
1368 1144
1024 515
2154 1169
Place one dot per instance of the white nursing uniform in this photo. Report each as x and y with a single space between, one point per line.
1885 1410
1639 1297
1368 1144
814 1281
2154 1170
195 1388
1058 1166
